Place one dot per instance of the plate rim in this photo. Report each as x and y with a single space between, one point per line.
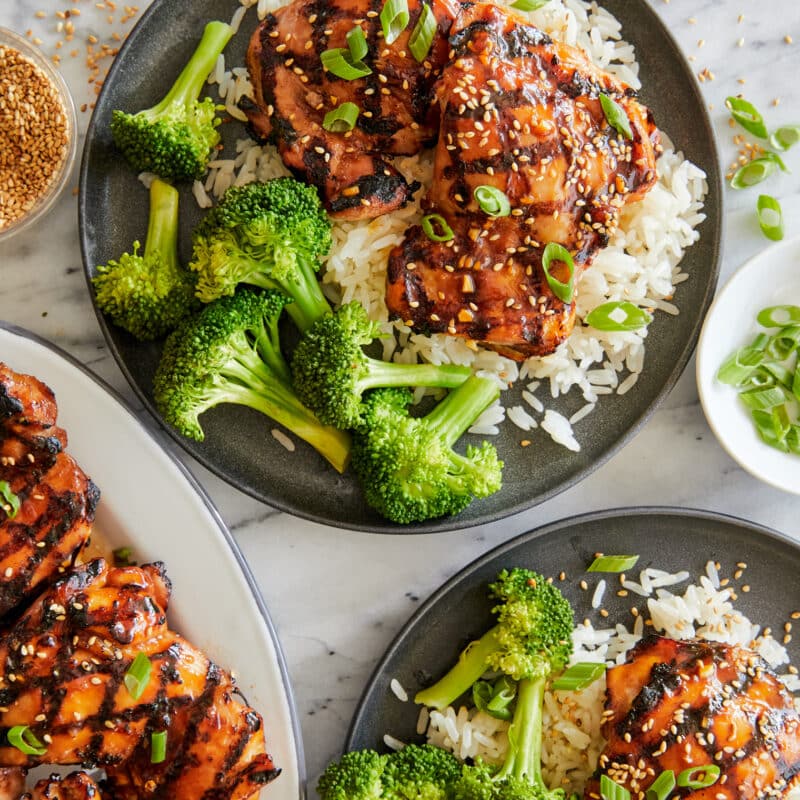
441 525
561 524
148 427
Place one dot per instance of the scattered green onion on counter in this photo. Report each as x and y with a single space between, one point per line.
770 217
23 738
563 290
616 116
421 38
492 201
611 790
757 170
767 376
394 19
341 119
138 676
578 676
618 316
747 115
612 563
785 137
662 786
699 777
10 501
435 227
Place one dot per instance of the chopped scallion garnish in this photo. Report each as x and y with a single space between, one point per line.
610 790
699 777
563 290
662 786
612 563
158 747
394 19
138 676
618 316
357 43
616 116
770 217
578 676
747 115
779 316
341 119
123 557
435 227
421 37
340 63
23 738
786 137
495 698
492 201
10 501
529 5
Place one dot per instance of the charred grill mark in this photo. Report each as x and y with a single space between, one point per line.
384 188
514 44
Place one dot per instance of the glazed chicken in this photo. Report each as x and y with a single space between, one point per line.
680 704
75 786
57 499
520 113
293 93
62 670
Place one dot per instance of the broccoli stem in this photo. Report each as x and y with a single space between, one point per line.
523 760
471 664
251 383
454 415
189 84
388 374
162 229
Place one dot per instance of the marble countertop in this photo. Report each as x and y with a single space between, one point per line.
366 585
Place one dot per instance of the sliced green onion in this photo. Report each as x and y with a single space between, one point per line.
492 201
435 227
158 747
394 19
610 790
612 563
357 43
495 698
421 37
11 503
763 399
123 557
23 738
779 316
529 5
661 787
618 316
616 116
756 171
741 365
341 119
562 290
339 62
707 775
786 137
579 676
783 343
770 217
138 676
747 115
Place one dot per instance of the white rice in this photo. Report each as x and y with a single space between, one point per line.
572 720
640 265
399 692
283 439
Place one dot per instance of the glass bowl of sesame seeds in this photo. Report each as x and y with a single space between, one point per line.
38 134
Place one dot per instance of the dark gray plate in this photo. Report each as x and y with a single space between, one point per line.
665 538
239 447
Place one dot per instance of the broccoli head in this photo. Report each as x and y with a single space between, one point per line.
230 353
270 235
174 138
407 466
149 294
331 371
356 776
420 772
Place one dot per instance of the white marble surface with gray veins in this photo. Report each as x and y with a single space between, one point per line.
338 597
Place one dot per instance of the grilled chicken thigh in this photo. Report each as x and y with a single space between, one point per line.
680 704
62 668
521 113
75 786
57 499
293 94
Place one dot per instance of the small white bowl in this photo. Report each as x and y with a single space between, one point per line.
771 278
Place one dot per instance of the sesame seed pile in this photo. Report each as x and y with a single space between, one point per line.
33 134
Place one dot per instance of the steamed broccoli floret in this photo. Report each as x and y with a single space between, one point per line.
356 776
175 137
266 234
149 294
531 640
479 782
331 371
406 465
230 353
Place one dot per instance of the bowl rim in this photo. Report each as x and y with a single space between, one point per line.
47 200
